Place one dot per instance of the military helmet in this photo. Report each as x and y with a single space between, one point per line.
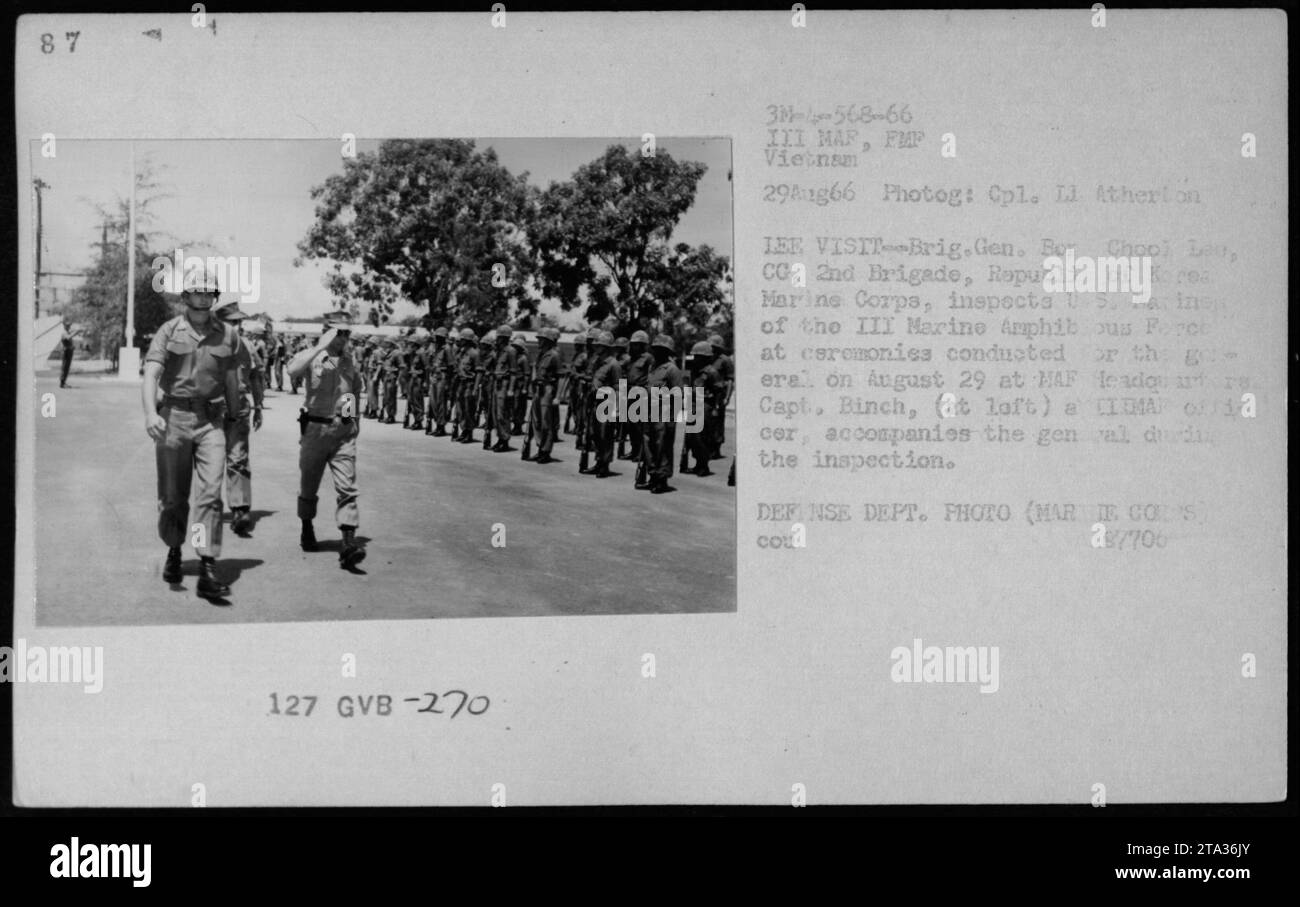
593 335
519 341
440 332
702 348
640 337
621 343
201 280
716 340
467 334
505 331
490 337
605 339
664 341
551 334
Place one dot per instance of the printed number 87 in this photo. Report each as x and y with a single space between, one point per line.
47 42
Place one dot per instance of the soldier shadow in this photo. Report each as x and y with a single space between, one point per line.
254 516
336 545
228 570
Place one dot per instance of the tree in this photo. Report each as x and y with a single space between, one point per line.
433 221
693 287
99 303
603 238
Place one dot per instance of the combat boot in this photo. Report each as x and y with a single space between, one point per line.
352 553
172 569
209 586
308 539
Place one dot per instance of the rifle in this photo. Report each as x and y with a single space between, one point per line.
490 417
527 453
584 439
642 467
453 388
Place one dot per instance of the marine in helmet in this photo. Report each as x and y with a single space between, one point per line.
192 361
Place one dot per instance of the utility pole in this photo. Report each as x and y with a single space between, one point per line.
130 260
128 359
39 185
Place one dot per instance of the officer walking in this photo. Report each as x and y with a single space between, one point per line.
546 379
329 434
191 361
239 474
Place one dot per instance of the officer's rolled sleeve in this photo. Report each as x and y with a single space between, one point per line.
158 347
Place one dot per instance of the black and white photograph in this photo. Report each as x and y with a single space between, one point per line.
785 410
378 379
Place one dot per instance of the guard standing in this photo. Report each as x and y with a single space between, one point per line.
522 378
191 360
577 368
704 375
640 362
441 371
329 428
252 375
467 367
506 372
662 435
726 369
607 374
486 371
546 380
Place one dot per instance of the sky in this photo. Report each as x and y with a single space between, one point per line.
252 198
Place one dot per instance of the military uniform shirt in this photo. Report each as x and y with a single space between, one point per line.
194 362
332 378
547 368
638 370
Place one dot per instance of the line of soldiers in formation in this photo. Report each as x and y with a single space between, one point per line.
454 382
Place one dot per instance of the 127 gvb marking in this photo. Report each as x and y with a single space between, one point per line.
381 704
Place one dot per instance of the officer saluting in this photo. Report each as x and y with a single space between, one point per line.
191 361
330 425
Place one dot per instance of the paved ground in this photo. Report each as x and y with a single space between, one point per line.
574 544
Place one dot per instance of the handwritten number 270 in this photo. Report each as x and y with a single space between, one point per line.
47 42
464 701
